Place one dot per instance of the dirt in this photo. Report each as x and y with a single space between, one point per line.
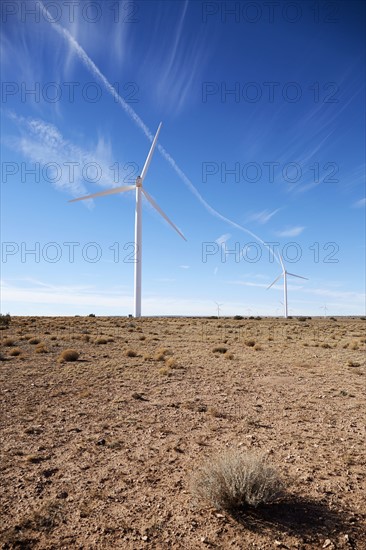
100 452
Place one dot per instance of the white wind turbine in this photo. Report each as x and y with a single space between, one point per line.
218 309
138 219
284 275
325 309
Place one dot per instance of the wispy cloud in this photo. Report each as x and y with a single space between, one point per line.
360 204
67 164
175 63
184 266
223 239
355 298
60 300
263 217
291 231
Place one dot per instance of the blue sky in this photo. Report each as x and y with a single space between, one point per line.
263 111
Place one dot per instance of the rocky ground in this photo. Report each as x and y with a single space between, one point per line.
100 452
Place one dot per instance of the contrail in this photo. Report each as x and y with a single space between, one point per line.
140 124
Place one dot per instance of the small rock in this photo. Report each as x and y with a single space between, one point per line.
327 543
145 538
101 441
62 494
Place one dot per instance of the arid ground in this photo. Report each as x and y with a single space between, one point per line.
100 452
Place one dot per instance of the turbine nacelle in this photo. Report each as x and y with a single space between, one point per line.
138 181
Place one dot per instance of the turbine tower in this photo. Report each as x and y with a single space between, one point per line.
139 189
325 309
284 275
218 309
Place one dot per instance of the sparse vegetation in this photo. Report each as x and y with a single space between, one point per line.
5 320
96 434
15 352
250 343
131 353
9 342
234 479
219 349
41 348
69 355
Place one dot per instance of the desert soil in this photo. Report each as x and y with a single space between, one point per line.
100 452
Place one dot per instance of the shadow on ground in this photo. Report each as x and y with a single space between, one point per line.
296 516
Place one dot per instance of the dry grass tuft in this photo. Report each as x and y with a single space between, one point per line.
9 342
41 348
15 352
165 371
350 363
100 341
250 343
69 355
219 349
233 479
160 354
170 362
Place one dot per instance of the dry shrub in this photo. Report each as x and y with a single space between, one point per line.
34 341
15 352
350 363
229 355
41 348
165 371
170 362
257 347
131 353
233 479
160 354
219 349
101 341
250 343
69 355
9 342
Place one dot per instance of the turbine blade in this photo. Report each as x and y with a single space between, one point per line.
298 276
157 207
109 192
282 264
275 281
149 156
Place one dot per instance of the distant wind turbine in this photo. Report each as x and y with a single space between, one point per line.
218 309
284 275
325 309
138 219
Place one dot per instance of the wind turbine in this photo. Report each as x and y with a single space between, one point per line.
138 187
218 309
284 275
325 309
